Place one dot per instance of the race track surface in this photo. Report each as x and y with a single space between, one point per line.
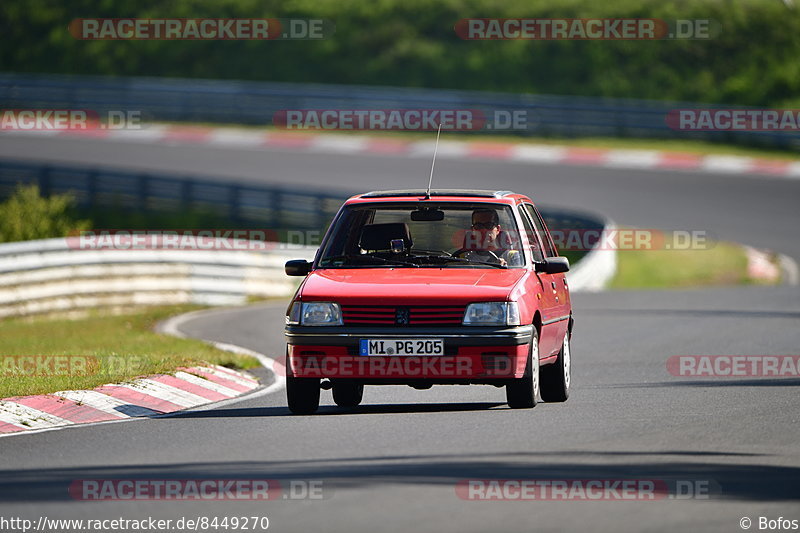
393 464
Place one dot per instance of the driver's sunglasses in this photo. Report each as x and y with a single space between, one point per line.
483 225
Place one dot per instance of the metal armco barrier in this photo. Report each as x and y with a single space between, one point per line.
247 102
51 275
93 187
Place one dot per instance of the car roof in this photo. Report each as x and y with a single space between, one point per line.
439 194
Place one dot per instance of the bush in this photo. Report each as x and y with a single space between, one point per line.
752 60
27 215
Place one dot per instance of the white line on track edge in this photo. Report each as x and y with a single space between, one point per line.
172 327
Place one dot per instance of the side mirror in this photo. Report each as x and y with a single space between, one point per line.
553 265
297 267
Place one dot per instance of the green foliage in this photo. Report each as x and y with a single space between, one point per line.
753 59
27 215
721 264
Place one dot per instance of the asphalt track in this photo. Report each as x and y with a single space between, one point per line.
393 464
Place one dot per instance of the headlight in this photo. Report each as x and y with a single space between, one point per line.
315 314
492 314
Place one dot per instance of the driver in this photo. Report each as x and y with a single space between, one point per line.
486 241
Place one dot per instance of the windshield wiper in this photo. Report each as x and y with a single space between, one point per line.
354 259
449 258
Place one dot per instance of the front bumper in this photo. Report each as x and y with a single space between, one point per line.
471 354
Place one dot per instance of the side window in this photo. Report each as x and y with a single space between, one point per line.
536 250
549 249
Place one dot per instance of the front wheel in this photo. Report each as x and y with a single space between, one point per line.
347 393
302 395
522 393
556 377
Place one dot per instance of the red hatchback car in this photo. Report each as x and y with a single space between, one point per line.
411 288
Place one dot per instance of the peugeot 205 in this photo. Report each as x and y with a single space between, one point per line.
424 288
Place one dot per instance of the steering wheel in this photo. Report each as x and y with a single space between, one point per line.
489 253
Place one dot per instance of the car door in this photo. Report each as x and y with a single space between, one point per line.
559 289
541 283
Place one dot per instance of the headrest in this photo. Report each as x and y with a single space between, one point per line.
380 236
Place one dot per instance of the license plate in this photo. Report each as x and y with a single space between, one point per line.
401 347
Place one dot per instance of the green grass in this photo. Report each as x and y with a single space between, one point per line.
721 264
105 349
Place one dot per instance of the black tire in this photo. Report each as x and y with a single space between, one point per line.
521 393
347 393
302 395
556 378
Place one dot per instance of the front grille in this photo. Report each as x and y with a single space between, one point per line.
402 316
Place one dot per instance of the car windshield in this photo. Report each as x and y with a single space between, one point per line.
429 234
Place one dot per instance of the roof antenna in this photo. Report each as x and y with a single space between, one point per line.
433 163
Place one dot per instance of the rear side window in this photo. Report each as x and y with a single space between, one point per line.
549 250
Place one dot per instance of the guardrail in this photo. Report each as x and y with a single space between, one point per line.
96 187
53 275
245 102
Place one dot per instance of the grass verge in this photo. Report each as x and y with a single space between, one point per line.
721 264
101 348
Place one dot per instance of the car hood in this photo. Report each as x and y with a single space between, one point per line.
420 286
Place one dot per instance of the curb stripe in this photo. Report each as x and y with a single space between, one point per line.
166 392
233 373
187 386
137 397
234 137
386 146
192 134
340 144
633 158
230 375
28 417
6 427
491 150
295 140
365 144
538 154
108 404
221 380
724 163
585 156
63 408
225 392
675 160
